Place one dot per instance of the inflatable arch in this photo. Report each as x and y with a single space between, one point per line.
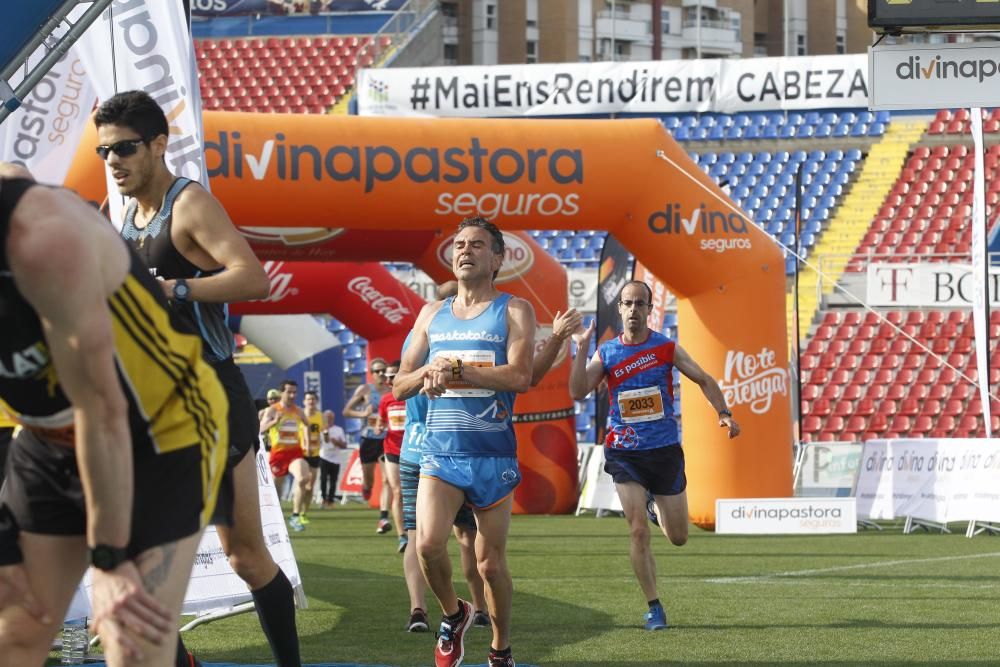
624 176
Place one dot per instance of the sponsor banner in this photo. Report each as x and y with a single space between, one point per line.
933 480
145 45
729 227
517 261
785 516
753 378
933 76
41 135
323 244
597 491
933 285
213 585
582 289
212 8
667 86
828 468
312 381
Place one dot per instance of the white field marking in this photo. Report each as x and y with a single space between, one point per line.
842 568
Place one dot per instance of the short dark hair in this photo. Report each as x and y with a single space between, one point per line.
649 290
136 110
311 393
499 246
288 383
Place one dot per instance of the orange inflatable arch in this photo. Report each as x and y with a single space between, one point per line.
625 176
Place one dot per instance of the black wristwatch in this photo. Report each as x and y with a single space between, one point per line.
725 413
181 290
107 558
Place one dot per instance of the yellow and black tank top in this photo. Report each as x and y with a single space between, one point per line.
174 398
314 424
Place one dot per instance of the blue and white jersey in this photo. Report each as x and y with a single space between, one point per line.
641 393
468 420
416 418
368 430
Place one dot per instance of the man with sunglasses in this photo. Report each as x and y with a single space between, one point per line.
642 449
363 405
189 243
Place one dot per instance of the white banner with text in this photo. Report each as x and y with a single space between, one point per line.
933 285
785 516
933 480
665 86
934 76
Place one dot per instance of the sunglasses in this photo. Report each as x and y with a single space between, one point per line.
638 303
122 148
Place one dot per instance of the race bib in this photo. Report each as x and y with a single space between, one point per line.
640 405
479 358
372 420
397 419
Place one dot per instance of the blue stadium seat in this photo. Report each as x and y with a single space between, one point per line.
358 366
353 351
680 133
841 130
883 116
853 154
741 120
752 132
587 254
733 132
859 130
769 132
822 131
876 129
345 337
670 122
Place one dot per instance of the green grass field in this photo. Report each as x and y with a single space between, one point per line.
875 598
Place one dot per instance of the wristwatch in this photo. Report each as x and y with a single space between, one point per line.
725 413
181 290
105 557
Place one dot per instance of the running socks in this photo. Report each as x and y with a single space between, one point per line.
276 610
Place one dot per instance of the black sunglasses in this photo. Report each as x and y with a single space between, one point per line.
638 303
122 148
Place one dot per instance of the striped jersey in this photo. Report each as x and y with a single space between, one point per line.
416 416
468 420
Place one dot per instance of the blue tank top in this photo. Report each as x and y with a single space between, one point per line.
416 417
368 431
467 420
641 393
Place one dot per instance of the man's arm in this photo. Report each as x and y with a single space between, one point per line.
584 377
686 365
204 234
410 378
269 419
563 327
360 395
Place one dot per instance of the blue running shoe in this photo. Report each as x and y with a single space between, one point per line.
296 524
656 618
651 509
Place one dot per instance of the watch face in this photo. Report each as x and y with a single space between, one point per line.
181 290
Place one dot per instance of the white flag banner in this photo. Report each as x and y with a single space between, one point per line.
926 285
979 296
42 135
145 45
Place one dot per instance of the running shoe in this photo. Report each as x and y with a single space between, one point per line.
366 493
481 619
191 661
651 509
403 541
303 519
418 621
383 526
450 647
656 618
296 524
505 661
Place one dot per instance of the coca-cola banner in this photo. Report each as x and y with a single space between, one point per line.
364 296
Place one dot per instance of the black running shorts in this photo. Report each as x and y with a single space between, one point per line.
660 471
44 494
370 450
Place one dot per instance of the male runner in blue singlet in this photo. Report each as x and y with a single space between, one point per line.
642 450
188 242
478 347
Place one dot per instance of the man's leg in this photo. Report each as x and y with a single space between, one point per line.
243 543
437 503
325 484
368 479
54 566
310 487
416 586
466 536
672 514
633 499
491 554
395 496
299 468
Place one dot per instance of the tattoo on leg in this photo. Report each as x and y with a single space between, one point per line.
158 574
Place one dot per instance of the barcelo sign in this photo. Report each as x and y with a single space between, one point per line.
518 257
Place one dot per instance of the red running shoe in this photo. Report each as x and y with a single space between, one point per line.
450 647
505 661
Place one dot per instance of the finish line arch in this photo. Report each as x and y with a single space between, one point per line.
625 176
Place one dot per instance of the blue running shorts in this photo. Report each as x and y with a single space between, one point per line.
486 480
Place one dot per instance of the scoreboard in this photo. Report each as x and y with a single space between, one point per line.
894 16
